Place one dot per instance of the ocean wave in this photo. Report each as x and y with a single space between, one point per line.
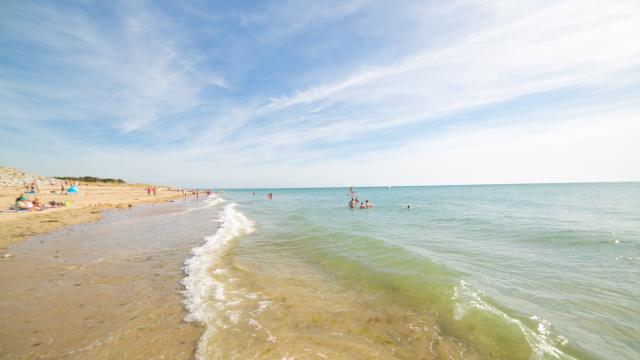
200 286
208 203
542 340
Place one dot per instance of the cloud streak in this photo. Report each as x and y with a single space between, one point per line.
243 90
134 71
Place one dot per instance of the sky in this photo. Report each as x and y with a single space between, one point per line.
322 93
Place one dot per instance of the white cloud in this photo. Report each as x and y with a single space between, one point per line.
135 70
601 146
552 46
521 50
145 71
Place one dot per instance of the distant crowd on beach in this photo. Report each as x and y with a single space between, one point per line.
195 193
354 202
24 202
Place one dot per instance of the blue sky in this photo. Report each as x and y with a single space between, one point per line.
331 93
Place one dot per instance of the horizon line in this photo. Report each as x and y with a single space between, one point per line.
435 185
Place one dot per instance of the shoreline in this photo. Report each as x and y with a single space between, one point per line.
116 292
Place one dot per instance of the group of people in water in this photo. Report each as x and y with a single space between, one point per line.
269 195
354 202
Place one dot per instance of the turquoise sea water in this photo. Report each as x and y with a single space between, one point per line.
504 271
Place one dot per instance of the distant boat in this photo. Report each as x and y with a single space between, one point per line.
388 187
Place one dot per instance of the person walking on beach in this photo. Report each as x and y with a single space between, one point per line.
154 191
148 190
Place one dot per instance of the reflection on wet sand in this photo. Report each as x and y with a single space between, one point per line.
99 291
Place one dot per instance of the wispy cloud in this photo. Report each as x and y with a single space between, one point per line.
131 71
545 48
245 89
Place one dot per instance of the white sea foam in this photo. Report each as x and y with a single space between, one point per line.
541 341
208 203
204 295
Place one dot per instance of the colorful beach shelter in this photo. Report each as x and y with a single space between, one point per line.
72 190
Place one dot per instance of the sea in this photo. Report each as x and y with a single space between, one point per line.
541 271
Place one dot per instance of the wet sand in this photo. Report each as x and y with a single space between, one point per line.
290 310
107 290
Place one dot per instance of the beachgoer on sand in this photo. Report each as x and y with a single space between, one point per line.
37 204
24 203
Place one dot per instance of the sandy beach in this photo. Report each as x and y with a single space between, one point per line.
435 180
86 206
73 288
